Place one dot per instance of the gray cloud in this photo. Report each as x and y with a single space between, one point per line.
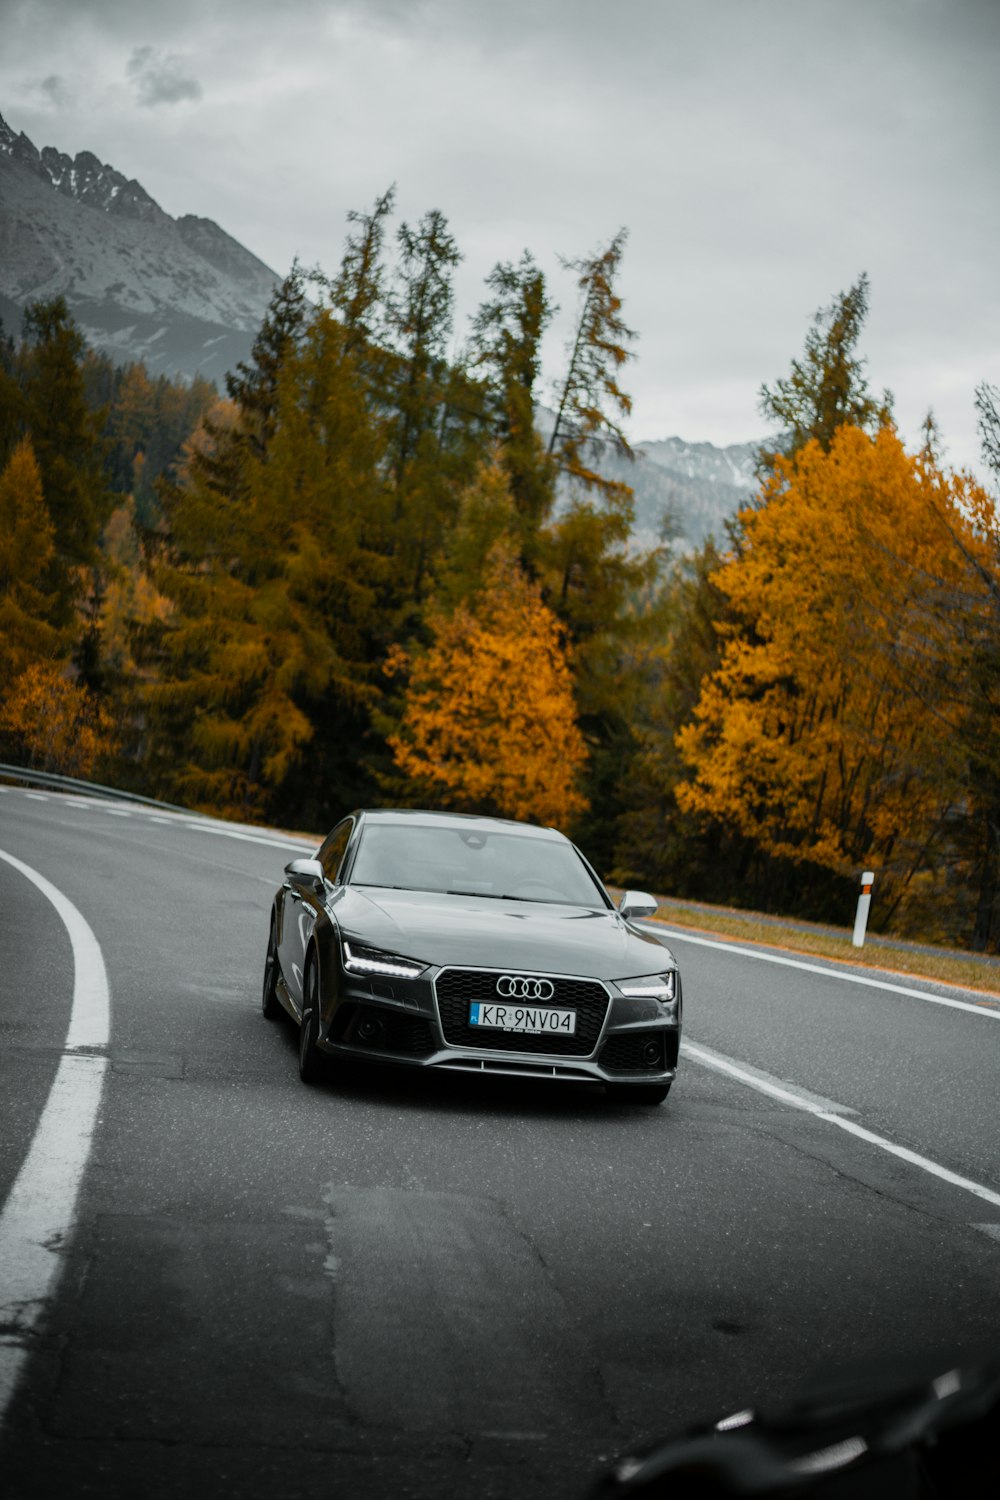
160 78
57 91
762 152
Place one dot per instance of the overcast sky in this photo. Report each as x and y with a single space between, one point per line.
761 152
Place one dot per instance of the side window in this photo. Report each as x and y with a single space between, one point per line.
332 853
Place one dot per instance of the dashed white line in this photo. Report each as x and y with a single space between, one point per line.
250 838
798 963
797 1098
36 797
38 1216
777 1088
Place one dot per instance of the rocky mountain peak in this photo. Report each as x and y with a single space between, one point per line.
84 178
180 294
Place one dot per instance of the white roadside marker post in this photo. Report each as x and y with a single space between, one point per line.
864 905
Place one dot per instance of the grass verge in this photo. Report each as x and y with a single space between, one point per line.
944 965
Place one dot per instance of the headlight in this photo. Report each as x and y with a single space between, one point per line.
656 986
361 960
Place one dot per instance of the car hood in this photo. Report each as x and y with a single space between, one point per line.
480 932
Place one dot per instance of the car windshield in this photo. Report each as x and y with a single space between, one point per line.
470 862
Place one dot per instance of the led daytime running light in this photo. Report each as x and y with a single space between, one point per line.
399 968
659 986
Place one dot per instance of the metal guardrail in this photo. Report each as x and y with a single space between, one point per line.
85 788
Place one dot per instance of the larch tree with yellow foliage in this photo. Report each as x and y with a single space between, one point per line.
273 582
489 723
833 731
26 550
46 718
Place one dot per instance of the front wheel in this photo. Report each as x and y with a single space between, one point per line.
312 1064
269 1002
638 1093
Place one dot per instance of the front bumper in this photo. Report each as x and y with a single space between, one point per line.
400 1023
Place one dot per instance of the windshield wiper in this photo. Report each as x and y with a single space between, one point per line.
373 885
486 895
506 896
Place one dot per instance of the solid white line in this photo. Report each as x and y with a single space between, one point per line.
38 1216
788 1094
797 963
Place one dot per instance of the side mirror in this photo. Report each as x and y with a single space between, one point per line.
636 904
308 872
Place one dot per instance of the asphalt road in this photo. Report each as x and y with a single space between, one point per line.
414 1286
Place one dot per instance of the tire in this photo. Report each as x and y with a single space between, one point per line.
638 1093
269 1003
312 1064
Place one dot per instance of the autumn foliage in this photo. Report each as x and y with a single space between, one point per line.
362 576
55 724
833 730
490 722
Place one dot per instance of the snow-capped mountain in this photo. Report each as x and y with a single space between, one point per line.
698 485
685 490
185 297
181 294
733 465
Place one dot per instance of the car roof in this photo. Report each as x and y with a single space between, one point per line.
425 818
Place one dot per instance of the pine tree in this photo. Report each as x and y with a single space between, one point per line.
420 321
274 584
27 634
65 437
11 398
358 291
506 347
434 431
254 386
591 401
827 387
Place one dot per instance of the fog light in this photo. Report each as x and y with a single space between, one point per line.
369 1029
651 1054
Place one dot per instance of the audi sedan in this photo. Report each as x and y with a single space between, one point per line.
436 940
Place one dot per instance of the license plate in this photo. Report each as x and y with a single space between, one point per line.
530 1018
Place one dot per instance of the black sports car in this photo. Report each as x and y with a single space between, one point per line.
443 941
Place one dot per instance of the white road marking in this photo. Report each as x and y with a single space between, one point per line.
38 1216
250 838
778 1088
36 796
798 1099
272 839
798 963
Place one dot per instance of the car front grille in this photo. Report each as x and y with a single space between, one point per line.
623 1054
458 988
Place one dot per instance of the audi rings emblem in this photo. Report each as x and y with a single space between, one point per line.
521 987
